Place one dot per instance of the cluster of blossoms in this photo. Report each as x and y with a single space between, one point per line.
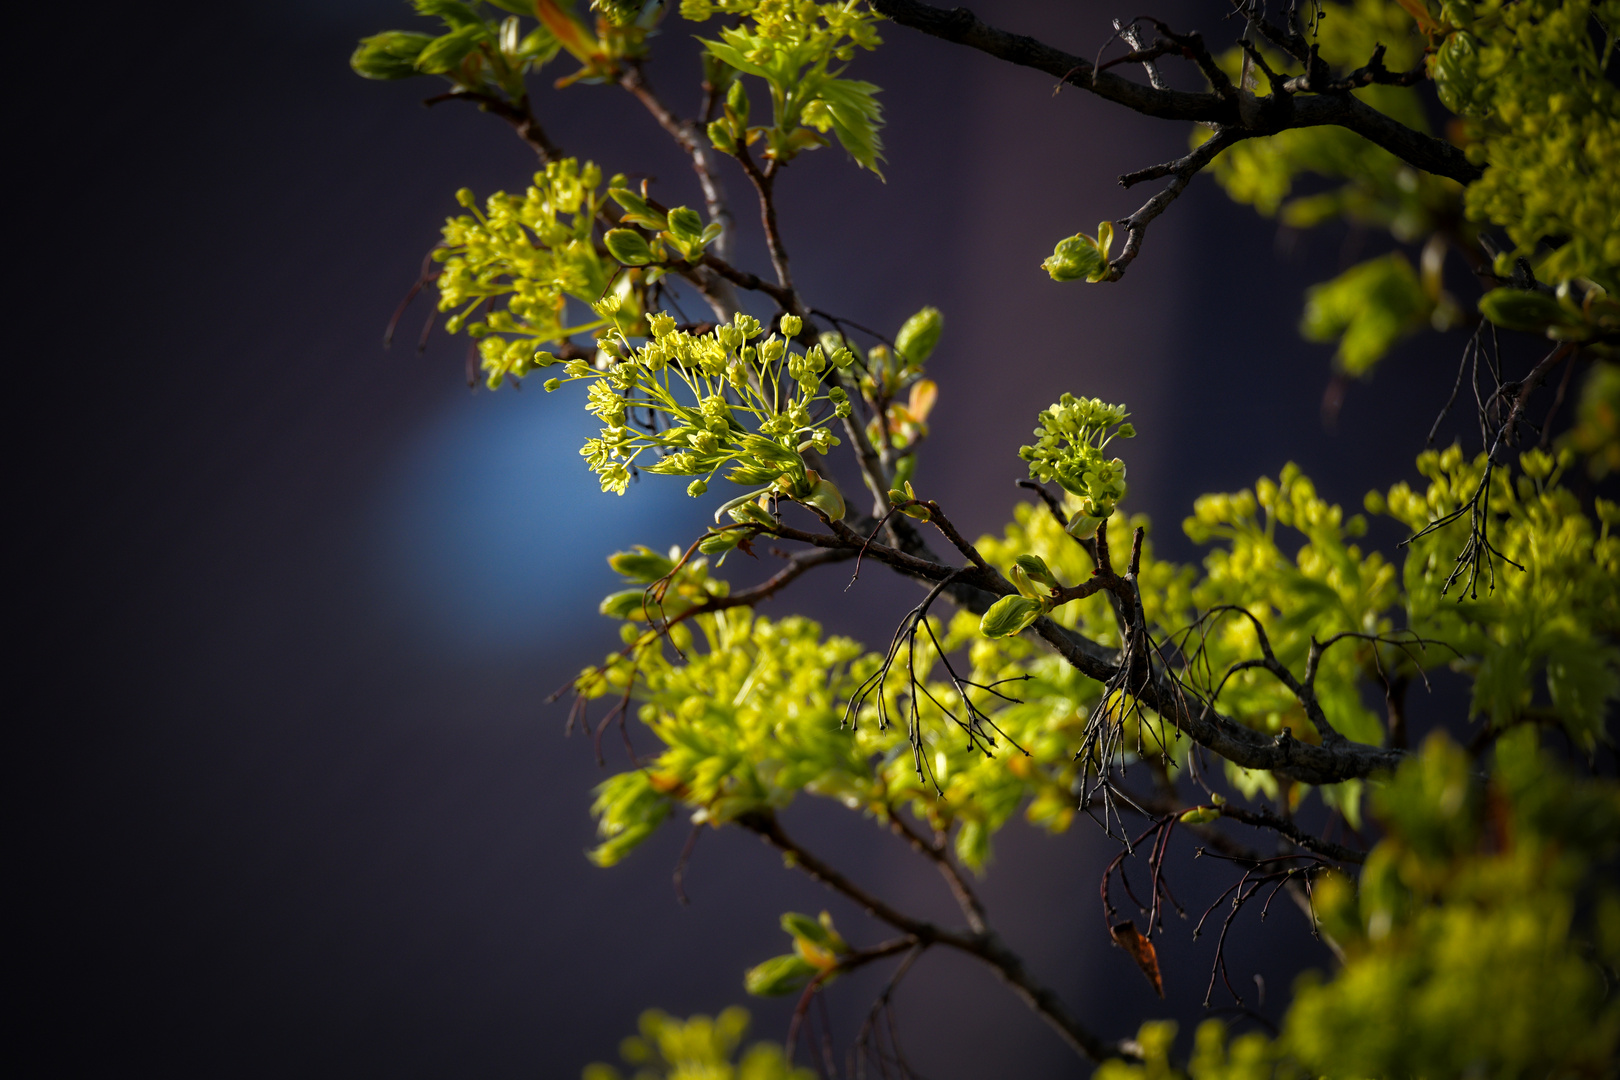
691 405
1069 450
531 252
1545 120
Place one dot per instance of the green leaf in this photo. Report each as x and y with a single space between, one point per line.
641 565
625 604
856 117
628 246
628 810
454 13
816 932
1368 308
446 52
734 57
685 223
1524 309
390 55
779 975
637 210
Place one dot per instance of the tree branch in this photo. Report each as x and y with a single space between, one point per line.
1180 172
764 184
515 113
987 947
1255 116
691 140
1265 819
966 899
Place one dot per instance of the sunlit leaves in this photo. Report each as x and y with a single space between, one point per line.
1545 121
1547 626
1367 309
791 46
698 1048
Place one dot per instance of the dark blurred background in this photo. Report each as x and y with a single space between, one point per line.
290 604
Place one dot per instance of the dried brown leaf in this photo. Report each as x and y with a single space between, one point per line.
1127 937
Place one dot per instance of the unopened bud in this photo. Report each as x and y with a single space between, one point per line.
1009 616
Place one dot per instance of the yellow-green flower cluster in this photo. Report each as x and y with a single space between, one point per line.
690 405
1068 449
1545 122
530 254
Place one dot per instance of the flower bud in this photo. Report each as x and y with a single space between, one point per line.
791 325
720 136
697 487
737 102
1009 616
1038 571
919 335
552 384
1080 256
1084 526
1523 309
719 541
